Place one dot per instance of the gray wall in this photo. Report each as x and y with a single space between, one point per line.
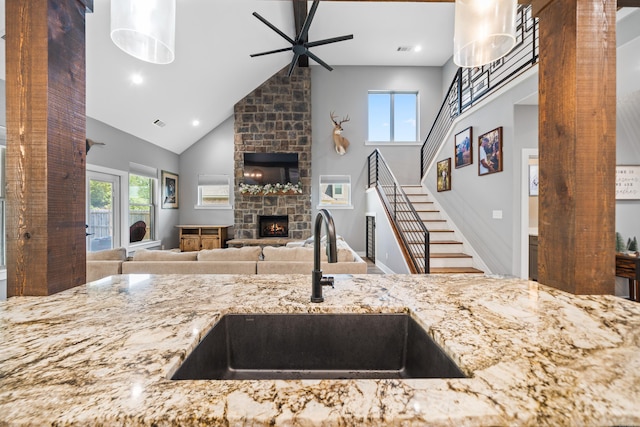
628 117
122 148
211 155
344 91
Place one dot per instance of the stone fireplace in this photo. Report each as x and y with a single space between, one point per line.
275 118
273 226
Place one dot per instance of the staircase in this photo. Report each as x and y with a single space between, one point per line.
446 254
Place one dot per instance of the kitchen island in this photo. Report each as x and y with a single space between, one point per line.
103 353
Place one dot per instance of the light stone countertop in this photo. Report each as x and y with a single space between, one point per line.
101 354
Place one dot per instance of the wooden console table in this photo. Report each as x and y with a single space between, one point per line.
629 267
197 237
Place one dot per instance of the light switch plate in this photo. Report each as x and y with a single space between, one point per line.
497 214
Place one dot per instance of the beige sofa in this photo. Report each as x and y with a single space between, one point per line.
299 260
245 260
210 261
105 263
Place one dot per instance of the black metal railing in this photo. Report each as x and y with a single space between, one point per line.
470 85
412 232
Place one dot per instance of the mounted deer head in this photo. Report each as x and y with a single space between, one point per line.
339 141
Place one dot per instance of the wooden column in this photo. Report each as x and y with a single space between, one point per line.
45 76
577 144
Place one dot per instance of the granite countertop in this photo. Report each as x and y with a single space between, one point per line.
102 353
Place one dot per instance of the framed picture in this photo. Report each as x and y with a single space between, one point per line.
444 174
533 180
490 152
169 187
495 65
463 148
480 85
465 78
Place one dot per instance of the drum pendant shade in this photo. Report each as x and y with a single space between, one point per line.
145 29
484 31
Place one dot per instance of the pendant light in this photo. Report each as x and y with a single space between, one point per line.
485 30
145 29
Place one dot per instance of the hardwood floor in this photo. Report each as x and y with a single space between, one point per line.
371 267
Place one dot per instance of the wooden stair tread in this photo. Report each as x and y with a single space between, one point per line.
449 255
452 255
455 270
436 242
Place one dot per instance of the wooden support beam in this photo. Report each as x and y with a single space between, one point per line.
577 145
300 11
45 70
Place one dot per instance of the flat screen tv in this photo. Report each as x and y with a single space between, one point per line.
271 168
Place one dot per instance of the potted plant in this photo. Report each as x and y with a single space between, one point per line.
620 246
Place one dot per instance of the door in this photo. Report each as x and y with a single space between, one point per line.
103 208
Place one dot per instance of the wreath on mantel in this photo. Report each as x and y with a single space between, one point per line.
255 189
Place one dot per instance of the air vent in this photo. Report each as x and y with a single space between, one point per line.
159 123
404 49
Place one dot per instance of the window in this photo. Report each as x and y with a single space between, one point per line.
335 191
393 116
122 207
103 209
213 192
141 208
143 182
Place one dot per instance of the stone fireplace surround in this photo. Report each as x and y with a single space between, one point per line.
275 117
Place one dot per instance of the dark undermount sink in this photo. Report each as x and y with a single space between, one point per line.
316 346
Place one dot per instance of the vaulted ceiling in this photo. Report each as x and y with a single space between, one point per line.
213 70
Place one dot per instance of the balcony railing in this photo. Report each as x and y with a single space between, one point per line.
413 235
470 85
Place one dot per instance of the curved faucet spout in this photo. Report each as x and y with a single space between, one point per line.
317 281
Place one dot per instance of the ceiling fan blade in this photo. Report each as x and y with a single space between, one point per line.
327 41
293 63
318 60
307 22
273 27
284 49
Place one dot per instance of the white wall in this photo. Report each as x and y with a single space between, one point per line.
344 91
388 254
473 198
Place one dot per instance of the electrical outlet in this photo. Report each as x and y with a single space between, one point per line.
497 214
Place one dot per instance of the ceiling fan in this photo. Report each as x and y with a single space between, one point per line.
300 46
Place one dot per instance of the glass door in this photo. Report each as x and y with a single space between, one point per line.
103 218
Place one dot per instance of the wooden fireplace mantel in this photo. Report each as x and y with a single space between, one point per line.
263 241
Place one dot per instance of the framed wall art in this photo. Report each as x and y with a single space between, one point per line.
464 148
490 152
444 175
627 182
169 185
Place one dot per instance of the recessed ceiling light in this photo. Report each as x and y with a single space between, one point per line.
418 48
196 122
136 79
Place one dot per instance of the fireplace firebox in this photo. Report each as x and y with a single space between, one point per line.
273 226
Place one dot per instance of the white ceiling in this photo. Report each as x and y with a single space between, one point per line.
213 70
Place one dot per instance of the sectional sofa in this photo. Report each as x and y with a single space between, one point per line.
246 260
